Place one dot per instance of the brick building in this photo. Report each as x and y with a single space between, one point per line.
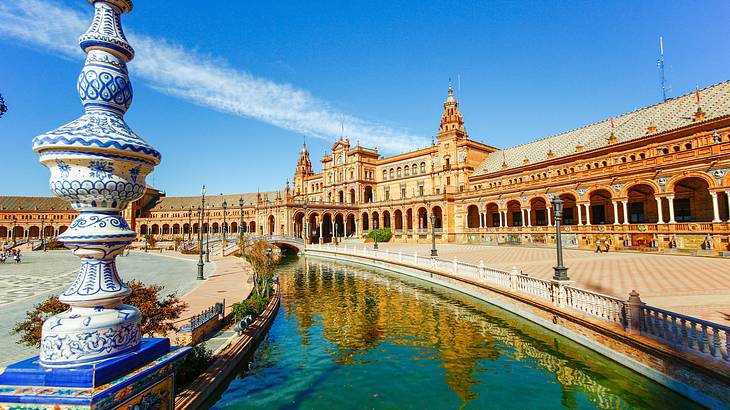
654 179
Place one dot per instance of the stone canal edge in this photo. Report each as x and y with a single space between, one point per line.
229 358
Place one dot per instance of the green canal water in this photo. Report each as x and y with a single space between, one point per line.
349 337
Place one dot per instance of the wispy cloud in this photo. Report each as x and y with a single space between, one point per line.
202 80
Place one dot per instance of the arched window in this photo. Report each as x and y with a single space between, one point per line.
392 173
415 169
405 170
400 172
423 167
688 145
385 174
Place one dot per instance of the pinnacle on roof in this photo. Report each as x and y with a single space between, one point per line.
450 98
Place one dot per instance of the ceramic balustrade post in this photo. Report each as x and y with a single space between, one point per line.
99 165
481 269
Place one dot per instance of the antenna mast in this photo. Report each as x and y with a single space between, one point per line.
660 64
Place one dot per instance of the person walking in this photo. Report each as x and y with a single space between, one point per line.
598 246
606 245
17 257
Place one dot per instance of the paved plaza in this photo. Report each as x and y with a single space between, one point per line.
42 274
695 286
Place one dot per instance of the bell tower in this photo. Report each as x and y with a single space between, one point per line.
304 169
452 123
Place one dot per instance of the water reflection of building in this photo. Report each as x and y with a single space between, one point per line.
656 177
359 310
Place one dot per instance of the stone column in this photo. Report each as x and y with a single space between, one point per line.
579 207
727 197
670 199
588 213
615 212
715 208
625 205
481 219
549 215
660 217
529 217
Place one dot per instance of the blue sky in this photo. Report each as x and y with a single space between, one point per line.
226 90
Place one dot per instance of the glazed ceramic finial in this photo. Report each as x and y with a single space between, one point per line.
99 165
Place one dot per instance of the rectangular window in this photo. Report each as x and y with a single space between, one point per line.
403 193
517 218
540 217
598 214
568 218
387 194
682 210
636 212
420 190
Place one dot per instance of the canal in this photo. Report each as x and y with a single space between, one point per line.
350 337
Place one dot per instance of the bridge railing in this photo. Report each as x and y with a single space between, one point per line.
682 332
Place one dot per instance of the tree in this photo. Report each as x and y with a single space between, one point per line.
151 241
157 314
263 259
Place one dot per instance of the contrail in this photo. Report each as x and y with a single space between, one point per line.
201 80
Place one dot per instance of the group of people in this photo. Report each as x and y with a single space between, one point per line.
13 254
602 246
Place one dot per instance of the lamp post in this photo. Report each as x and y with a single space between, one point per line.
225 205
190 221
146 236
240 211
434 253
43 231
200 245
561 272
207 234
375 233
13 235
306 225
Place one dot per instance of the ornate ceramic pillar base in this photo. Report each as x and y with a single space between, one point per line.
144 379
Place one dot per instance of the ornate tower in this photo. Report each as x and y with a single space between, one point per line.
304 169
99 165
452 123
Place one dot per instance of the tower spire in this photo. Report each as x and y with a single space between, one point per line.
452 123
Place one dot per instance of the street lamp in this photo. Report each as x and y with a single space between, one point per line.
200 244
240 222
375 233
434 253
190 221
43 236
561 272
306 225
207 234
225 205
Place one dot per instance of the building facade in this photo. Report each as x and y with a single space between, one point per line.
655 179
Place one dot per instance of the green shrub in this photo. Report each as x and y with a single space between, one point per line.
383 235
194 364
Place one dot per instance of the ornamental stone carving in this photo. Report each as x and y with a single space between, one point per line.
719 174
99 165
617 188
662 182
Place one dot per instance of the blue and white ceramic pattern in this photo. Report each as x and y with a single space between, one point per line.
99 165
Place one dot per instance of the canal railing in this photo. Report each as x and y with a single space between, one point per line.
684 333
